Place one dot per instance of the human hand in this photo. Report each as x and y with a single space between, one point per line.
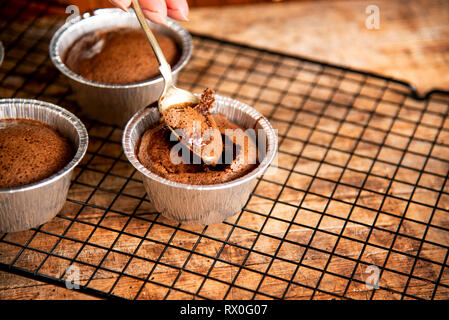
158 10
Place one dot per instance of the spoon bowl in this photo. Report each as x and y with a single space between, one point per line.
174 96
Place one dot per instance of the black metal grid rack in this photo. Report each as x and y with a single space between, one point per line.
361 180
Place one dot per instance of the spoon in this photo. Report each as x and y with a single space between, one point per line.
172 96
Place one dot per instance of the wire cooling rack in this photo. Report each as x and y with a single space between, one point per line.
357 207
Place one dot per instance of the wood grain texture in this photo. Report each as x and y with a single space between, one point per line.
13 287
361 180
412 43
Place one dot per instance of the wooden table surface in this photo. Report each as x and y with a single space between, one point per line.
412 44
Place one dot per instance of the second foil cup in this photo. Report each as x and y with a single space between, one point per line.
114 103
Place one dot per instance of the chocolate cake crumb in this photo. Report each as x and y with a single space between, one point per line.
206 101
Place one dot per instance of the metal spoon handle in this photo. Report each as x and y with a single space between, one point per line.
164 66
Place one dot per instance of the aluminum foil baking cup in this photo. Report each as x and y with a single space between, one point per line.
114 103
31 205
201 204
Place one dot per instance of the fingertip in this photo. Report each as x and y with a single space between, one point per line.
156 17
177 14
178 9
121 4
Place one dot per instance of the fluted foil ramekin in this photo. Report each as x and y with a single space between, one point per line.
114 103
31 205
201 204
